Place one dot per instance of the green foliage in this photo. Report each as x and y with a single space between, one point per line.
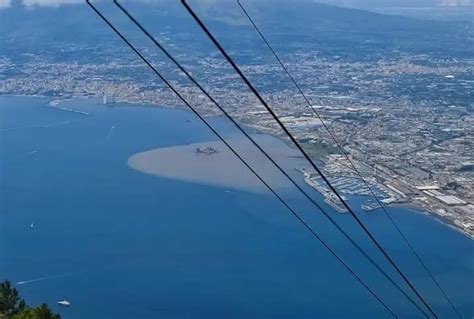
41 312
321 149
25 314
10 301
13 307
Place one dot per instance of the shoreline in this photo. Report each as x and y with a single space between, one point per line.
419 210
257 131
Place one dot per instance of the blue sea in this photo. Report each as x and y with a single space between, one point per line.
77 223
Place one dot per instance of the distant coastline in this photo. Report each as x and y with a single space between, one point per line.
54 102
419 210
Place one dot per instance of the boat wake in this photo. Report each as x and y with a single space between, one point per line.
44 278
111 133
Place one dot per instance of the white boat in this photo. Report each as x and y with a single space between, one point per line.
32 225
64 303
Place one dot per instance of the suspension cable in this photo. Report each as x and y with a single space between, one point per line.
280 199
252 140
288 133
339 145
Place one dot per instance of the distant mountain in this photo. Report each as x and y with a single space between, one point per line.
354 33
447 10
368 4
348 33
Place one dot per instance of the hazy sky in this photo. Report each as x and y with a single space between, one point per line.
398 3
4 3
363 4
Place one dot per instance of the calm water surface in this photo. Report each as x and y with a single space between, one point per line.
118 243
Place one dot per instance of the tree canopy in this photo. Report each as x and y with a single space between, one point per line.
10 301
12 306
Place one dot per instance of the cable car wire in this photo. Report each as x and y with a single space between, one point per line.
303 152
252 140
281 200
319 117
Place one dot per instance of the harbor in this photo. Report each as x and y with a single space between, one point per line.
349 186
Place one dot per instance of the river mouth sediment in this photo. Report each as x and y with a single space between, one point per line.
212 163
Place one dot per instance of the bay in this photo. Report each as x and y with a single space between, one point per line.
119 243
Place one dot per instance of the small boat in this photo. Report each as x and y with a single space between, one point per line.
64 303
32 225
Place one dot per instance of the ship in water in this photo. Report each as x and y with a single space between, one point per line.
64 303
208 150
370 205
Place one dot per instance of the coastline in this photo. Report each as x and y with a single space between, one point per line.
53 102
420 210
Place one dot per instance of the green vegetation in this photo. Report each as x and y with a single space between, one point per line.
321 149
12 306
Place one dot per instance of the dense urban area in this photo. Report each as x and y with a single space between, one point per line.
405 120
